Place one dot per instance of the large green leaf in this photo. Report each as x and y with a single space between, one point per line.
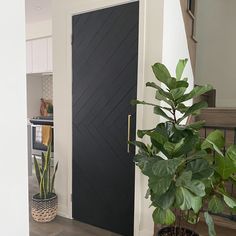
231 153
159 185
163 129
166 167
197 91
169 147
178 148
159 89
153 85
215 205
186 200
193 110
181 141
181 108
200 169
53 178
184 178
148 193
164 94
180 68
181 202
196 202
189 144
159 137
43 158
182 84
224 167
164 217
46 172
137 102
162 97
196 187
170 129
38 170
166 200
142 146
229 201
215 141
163 75
145 163
196 125
178 92
210 224
174 148
159 111
142 133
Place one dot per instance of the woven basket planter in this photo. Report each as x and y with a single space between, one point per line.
44 210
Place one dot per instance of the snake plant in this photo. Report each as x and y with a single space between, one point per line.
44 176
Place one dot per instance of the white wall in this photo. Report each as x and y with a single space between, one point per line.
216 49
150 51
13 168
38 29
175 45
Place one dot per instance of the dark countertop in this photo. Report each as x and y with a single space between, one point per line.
42 120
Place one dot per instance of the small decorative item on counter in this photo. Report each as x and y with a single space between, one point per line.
49 109
43 108
46 107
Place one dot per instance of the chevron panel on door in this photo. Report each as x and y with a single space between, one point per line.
105 55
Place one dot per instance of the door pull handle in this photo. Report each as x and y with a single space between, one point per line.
129 133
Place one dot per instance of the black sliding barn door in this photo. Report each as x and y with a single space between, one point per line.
105 55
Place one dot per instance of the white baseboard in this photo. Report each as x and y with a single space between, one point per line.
62 214
63 211
146 232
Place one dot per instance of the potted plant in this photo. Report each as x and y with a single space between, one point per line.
44 203
187 175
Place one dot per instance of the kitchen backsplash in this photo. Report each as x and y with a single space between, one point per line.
47 86
38 86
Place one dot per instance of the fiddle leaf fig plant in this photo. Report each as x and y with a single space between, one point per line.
186 174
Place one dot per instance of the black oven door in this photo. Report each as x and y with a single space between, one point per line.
37 146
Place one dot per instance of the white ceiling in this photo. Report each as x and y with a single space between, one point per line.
38 10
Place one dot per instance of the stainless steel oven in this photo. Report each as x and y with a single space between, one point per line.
37 146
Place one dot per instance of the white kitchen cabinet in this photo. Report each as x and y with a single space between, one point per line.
39 55
49 56
29 66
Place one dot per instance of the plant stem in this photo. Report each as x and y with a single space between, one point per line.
179 226
174 114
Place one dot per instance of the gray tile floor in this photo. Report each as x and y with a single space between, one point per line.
61 226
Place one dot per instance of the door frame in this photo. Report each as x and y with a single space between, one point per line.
139 113
89 6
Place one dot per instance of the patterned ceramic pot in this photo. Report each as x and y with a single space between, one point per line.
44 210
